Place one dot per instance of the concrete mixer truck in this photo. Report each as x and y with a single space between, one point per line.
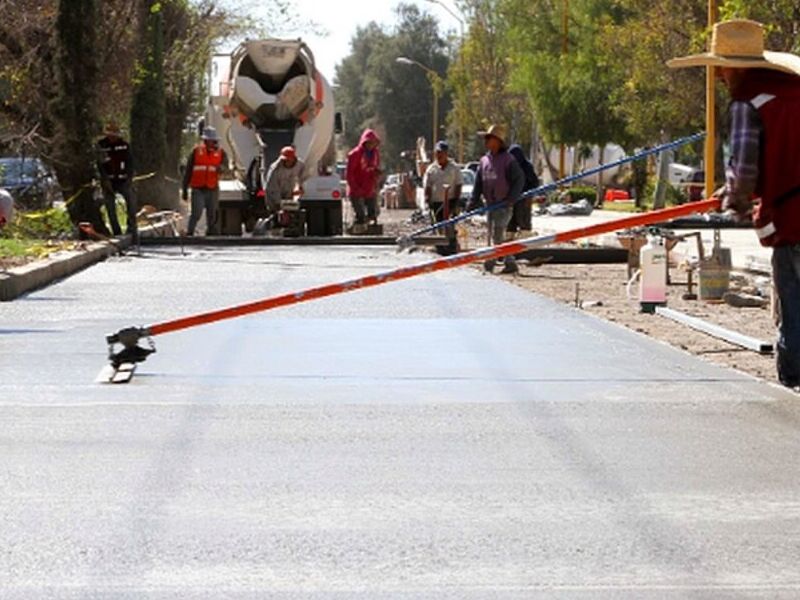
265 95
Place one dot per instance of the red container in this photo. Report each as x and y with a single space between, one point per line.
613 195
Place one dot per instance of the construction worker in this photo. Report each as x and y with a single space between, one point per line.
442 184
203 168
520 222
284 179
363 173
762 179
115 165
499 180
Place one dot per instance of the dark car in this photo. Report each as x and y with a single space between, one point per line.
31 183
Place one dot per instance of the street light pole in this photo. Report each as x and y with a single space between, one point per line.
434 79
562 159
460 107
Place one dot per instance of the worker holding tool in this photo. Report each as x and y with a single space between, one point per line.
442 184
203 168
520 222
499 180
283 179
363 173
115 165
765 161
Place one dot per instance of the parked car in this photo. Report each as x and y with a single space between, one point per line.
31 183
6 208
468 178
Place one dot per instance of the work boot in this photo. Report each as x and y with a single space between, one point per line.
489 265
510 267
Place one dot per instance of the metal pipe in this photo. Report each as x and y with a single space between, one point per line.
407 240
732 337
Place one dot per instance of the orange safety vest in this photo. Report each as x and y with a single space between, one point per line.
205 173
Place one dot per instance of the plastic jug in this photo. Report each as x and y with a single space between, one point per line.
653 278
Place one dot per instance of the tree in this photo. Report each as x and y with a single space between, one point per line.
351 96
480 77
74 108
373 90
148 109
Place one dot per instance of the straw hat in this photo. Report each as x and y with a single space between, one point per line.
739 44
495 130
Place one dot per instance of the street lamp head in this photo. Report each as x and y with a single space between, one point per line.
404 60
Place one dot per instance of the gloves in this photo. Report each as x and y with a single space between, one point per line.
185 196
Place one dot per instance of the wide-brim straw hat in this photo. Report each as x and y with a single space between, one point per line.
739 44
497 131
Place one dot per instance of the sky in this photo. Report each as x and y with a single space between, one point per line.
341 18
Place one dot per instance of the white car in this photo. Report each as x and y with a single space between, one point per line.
468 176
6 208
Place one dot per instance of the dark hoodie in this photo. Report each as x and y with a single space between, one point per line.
531 179
363 168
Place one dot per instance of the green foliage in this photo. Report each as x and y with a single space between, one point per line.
148 110
53 223
74 108
396 99
481 78
582 193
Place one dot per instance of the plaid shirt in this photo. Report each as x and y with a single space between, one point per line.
741 175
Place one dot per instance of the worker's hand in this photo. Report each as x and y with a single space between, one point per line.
185 196
720 193
106 186
739 208
473 205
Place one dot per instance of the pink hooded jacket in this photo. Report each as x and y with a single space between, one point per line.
363 168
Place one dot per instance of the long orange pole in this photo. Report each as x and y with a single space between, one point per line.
496 252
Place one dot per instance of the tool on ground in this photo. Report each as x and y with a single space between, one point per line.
732 337
131 352
407 241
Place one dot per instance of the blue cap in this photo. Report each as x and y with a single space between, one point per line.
442 146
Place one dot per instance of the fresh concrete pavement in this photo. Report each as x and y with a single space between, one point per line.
450 436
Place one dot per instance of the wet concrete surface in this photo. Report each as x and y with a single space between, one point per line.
449 436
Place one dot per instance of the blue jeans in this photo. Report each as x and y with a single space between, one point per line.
498 221
786 276
204 199
110 202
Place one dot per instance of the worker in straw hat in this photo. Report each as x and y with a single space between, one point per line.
499 180
763 174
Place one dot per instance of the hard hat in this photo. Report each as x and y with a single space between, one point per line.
210 134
